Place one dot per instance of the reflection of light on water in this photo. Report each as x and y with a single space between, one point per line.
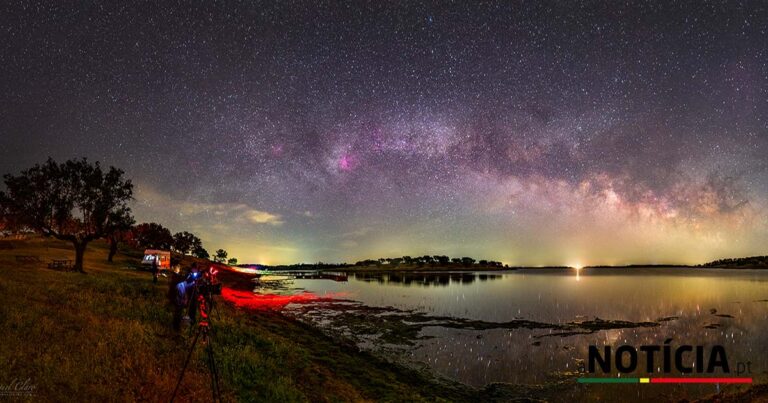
577 267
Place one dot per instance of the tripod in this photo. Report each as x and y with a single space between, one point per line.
203 328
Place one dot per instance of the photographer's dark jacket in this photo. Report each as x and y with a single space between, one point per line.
183 289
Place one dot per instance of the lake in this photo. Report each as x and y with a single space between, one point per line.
523 327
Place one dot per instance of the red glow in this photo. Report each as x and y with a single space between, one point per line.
701 380
249 300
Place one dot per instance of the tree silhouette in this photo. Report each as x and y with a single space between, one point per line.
467 261
221 256
117 235
186 243
8 221
75 201
201 253
152 236
233 261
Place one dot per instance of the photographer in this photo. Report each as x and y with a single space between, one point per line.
187 294
196 293
206 285
181 294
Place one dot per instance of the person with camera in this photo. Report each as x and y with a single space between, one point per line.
206 286
187 294
181 294
196 292
192 302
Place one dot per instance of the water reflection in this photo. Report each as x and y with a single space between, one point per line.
692 306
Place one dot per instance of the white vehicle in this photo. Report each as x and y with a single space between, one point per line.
163 258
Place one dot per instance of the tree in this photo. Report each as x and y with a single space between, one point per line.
201 253
119 229
186 243
75 201
467 261
233 261
456 260
221 256
117 235
152 236
8 222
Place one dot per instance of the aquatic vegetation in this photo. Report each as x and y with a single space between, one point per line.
393 326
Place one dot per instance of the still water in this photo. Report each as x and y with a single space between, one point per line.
690 306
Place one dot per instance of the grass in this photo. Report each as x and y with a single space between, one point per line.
106 336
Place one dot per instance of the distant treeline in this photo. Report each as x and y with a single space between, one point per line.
634 266
419 261
426 260
741 261
298 266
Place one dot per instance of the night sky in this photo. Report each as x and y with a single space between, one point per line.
526 132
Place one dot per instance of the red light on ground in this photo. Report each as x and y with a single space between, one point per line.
701 380
249 300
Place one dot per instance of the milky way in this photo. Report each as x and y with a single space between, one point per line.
527 132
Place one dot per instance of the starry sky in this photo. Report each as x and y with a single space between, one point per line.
527 132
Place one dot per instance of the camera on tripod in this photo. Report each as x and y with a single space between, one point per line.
206 282
206 285
207 288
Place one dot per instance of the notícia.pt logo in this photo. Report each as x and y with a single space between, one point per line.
684 359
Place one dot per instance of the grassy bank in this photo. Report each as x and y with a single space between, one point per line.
106 335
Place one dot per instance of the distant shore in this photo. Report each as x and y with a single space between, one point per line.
678 266
416 269
750 263
425 269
